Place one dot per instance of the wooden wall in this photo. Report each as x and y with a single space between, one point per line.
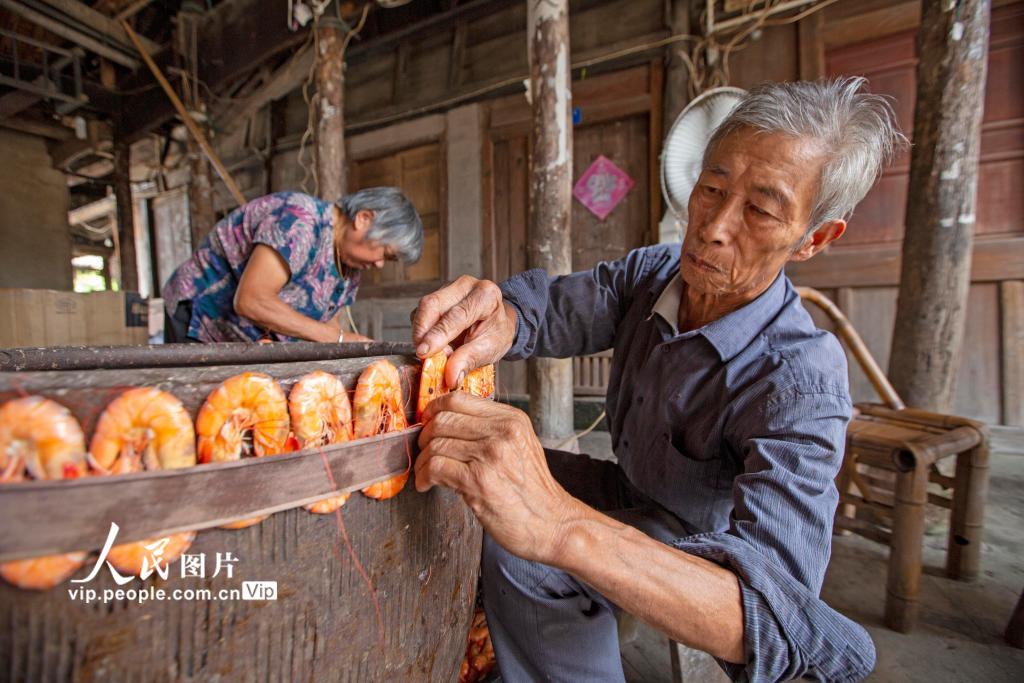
861 271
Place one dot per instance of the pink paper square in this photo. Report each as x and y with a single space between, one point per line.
602 187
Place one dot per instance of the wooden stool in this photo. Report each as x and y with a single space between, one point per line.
906 444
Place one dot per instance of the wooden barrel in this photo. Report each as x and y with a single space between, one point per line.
420 552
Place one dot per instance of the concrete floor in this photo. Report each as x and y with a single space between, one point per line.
959 633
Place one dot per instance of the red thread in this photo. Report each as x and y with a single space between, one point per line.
343 533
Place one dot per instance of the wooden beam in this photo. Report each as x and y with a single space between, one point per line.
550 228
187 119
941 204
69 32
281 82
99 22
45 130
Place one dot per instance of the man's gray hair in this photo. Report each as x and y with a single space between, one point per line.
857 129
395 220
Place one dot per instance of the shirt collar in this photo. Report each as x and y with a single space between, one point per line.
733 332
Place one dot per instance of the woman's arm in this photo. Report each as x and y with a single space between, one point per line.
257 299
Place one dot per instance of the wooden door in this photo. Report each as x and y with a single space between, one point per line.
418 172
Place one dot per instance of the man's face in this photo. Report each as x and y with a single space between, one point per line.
749 212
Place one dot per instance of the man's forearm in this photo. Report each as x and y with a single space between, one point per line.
276 315
692 600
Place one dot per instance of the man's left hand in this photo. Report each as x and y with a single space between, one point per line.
489 453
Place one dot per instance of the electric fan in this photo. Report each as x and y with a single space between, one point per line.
684 151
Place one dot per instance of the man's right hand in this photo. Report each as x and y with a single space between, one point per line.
471 313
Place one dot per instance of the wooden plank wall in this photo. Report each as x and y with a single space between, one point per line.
861 272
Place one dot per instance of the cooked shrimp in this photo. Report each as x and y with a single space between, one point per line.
144 428
40 439
479 382
378 409
321 415
247 405
432 382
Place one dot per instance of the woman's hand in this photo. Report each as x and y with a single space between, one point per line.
469 311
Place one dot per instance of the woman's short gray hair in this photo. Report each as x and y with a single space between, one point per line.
858 129
395 221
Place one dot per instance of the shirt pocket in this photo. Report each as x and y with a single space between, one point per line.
711 466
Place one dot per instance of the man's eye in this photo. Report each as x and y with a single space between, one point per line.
758 210
712 190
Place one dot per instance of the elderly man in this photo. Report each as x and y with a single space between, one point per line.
727 411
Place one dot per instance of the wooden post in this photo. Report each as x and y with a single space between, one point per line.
124 236
330 103
201 214
677 79
952 45
550 243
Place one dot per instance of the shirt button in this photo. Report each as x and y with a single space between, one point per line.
625 442
640 400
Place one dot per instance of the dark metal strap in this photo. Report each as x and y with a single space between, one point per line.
47 517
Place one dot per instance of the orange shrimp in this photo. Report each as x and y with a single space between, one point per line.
321 415
432 382
40 439
479 382
247 405
144 428
379 408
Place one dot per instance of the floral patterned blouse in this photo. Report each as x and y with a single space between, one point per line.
296 226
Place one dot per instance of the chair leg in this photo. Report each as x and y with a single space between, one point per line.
677 664
1015 629
970 490
905 552
843 482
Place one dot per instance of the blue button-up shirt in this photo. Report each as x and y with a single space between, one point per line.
737 428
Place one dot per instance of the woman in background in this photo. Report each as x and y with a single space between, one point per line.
282 266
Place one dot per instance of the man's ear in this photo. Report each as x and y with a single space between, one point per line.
363 221
819 239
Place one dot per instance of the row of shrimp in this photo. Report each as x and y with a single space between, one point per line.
248 415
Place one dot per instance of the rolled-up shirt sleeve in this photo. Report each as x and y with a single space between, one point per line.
576 314
779 540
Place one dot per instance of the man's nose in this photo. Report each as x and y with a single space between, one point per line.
722 221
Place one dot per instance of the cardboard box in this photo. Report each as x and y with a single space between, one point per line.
46 317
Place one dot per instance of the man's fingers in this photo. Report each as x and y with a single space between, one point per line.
465 403
465 359
481 303
455 425
434 468
434 306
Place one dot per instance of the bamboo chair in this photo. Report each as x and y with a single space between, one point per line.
891 453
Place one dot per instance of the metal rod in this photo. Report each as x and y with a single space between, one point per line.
188 355
186 117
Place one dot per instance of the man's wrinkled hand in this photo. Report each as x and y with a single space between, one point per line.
489 454
471 316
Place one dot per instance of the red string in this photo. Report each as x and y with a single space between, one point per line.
343 533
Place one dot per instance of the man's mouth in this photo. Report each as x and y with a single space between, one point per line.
702 264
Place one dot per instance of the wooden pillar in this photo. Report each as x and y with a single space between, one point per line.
201 213
330 114
124 236
952 45
677 79
549 243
